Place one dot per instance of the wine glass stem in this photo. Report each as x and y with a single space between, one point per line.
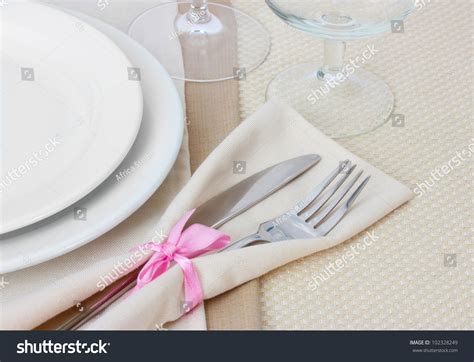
198 12
334 52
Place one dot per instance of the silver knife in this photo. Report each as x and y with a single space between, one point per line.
215 212
249 192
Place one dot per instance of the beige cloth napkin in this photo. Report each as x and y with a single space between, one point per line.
273 134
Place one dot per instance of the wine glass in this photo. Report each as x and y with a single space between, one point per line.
339 97
218 42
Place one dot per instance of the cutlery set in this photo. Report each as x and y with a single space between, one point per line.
314 216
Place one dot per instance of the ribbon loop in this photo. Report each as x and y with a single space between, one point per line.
181 246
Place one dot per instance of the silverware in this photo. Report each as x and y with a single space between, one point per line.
214 213
249 192
314 216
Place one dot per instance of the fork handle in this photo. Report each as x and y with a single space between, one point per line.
242 243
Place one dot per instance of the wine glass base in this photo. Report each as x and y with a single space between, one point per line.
339 105
210 46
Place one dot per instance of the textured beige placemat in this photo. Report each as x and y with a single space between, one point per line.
408 278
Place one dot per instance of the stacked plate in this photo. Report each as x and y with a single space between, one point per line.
91 126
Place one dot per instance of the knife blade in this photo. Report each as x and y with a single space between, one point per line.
215 213
249 192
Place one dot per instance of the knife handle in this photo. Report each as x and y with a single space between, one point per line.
82 312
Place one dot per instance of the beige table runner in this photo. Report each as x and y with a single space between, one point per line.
213 111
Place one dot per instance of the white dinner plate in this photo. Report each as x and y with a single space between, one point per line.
70 113
135 180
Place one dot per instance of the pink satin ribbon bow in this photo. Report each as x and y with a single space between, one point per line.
181 246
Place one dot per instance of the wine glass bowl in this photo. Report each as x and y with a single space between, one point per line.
338 97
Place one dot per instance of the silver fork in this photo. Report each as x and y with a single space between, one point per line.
314 216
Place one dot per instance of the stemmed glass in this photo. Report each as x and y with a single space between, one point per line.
339 97
207 34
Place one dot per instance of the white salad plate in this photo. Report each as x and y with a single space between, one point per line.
69 112
133 182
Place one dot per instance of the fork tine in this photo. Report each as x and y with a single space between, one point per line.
356 193
314 209
329 224
334 202
303 204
